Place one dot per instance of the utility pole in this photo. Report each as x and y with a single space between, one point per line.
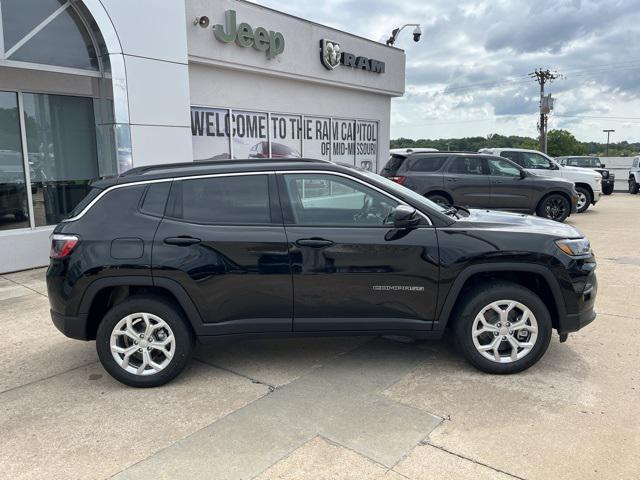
546 103
608 132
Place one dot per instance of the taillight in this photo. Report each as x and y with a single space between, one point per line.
399 180
62 245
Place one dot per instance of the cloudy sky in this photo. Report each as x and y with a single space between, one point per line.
468 74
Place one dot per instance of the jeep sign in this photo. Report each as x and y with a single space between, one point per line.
270 42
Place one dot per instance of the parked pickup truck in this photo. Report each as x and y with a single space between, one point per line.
592 163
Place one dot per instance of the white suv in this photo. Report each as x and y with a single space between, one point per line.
588 184
634 176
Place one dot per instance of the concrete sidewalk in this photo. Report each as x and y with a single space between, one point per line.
332 408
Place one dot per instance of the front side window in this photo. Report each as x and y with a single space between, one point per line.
502 168
467 166
331 200
233 200
535 161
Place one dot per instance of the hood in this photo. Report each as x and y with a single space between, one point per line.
495 220
582 171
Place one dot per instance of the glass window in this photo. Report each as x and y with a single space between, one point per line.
426 164
210 130
513 156
466 166
394 163
286 139
155 199
63 42
19 17
63 159
502 168
535 160
589 162
239 200
14 211
330 200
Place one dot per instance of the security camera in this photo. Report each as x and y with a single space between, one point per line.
202 21
416 34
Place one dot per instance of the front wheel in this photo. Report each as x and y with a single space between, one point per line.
554 207
503 329
608 190
144 341
633 186
584 199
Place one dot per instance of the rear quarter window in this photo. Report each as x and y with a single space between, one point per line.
425 164
155 199
394 164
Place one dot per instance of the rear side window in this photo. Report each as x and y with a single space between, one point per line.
234 200
513 156
393 164
155 199
425 164
467 166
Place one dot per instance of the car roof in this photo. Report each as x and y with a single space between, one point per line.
189 169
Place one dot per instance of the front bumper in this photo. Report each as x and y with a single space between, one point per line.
585 289
72 327
596 197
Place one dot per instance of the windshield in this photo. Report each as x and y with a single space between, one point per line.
591 162
418 199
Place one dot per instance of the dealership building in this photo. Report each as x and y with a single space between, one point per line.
91 88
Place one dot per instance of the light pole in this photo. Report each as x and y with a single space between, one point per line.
608 132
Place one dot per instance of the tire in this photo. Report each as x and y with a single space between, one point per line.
554 207
440 200
633 186
585 199
168 322
502 294
607 190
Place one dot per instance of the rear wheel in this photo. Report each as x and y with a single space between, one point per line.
440 200
503 329
144 341
554 207
584 199
633 186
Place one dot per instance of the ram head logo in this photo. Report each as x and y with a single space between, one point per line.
330 53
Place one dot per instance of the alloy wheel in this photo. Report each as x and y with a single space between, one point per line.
582 201
505 331
555 208
142 344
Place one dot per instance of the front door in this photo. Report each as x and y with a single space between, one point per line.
222 239
509 190
351 269
467 182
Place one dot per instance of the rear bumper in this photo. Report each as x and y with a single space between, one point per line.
72 327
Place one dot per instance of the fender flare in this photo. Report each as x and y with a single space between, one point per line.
181 295
455 290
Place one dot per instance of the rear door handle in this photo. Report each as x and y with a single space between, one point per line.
314 242
181 241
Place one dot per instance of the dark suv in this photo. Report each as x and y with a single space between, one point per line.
482 181
163 255
592 163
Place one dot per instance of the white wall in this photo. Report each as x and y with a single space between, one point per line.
154 46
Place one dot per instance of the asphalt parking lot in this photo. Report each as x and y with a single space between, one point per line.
332 408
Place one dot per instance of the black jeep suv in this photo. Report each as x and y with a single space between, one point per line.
592 163
482 181
160 256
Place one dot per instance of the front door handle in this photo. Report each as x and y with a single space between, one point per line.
181 241
314 242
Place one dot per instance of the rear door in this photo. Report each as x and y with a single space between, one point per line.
509 191
351 269
467 181
423 173
223 241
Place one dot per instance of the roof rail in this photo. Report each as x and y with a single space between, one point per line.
213 163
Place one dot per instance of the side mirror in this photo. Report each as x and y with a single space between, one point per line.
523 174
553 166
405 216
602 165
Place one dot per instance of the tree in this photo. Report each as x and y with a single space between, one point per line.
561 142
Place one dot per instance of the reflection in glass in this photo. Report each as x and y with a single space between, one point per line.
63 42
19 17
63 158
14 212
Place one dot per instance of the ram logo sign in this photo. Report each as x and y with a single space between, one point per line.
331 55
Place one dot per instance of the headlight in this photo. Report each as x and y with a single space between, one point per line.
605 174
576 247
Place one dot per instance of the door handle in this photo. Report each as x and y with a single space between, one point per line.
314 242
452 179
181 241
